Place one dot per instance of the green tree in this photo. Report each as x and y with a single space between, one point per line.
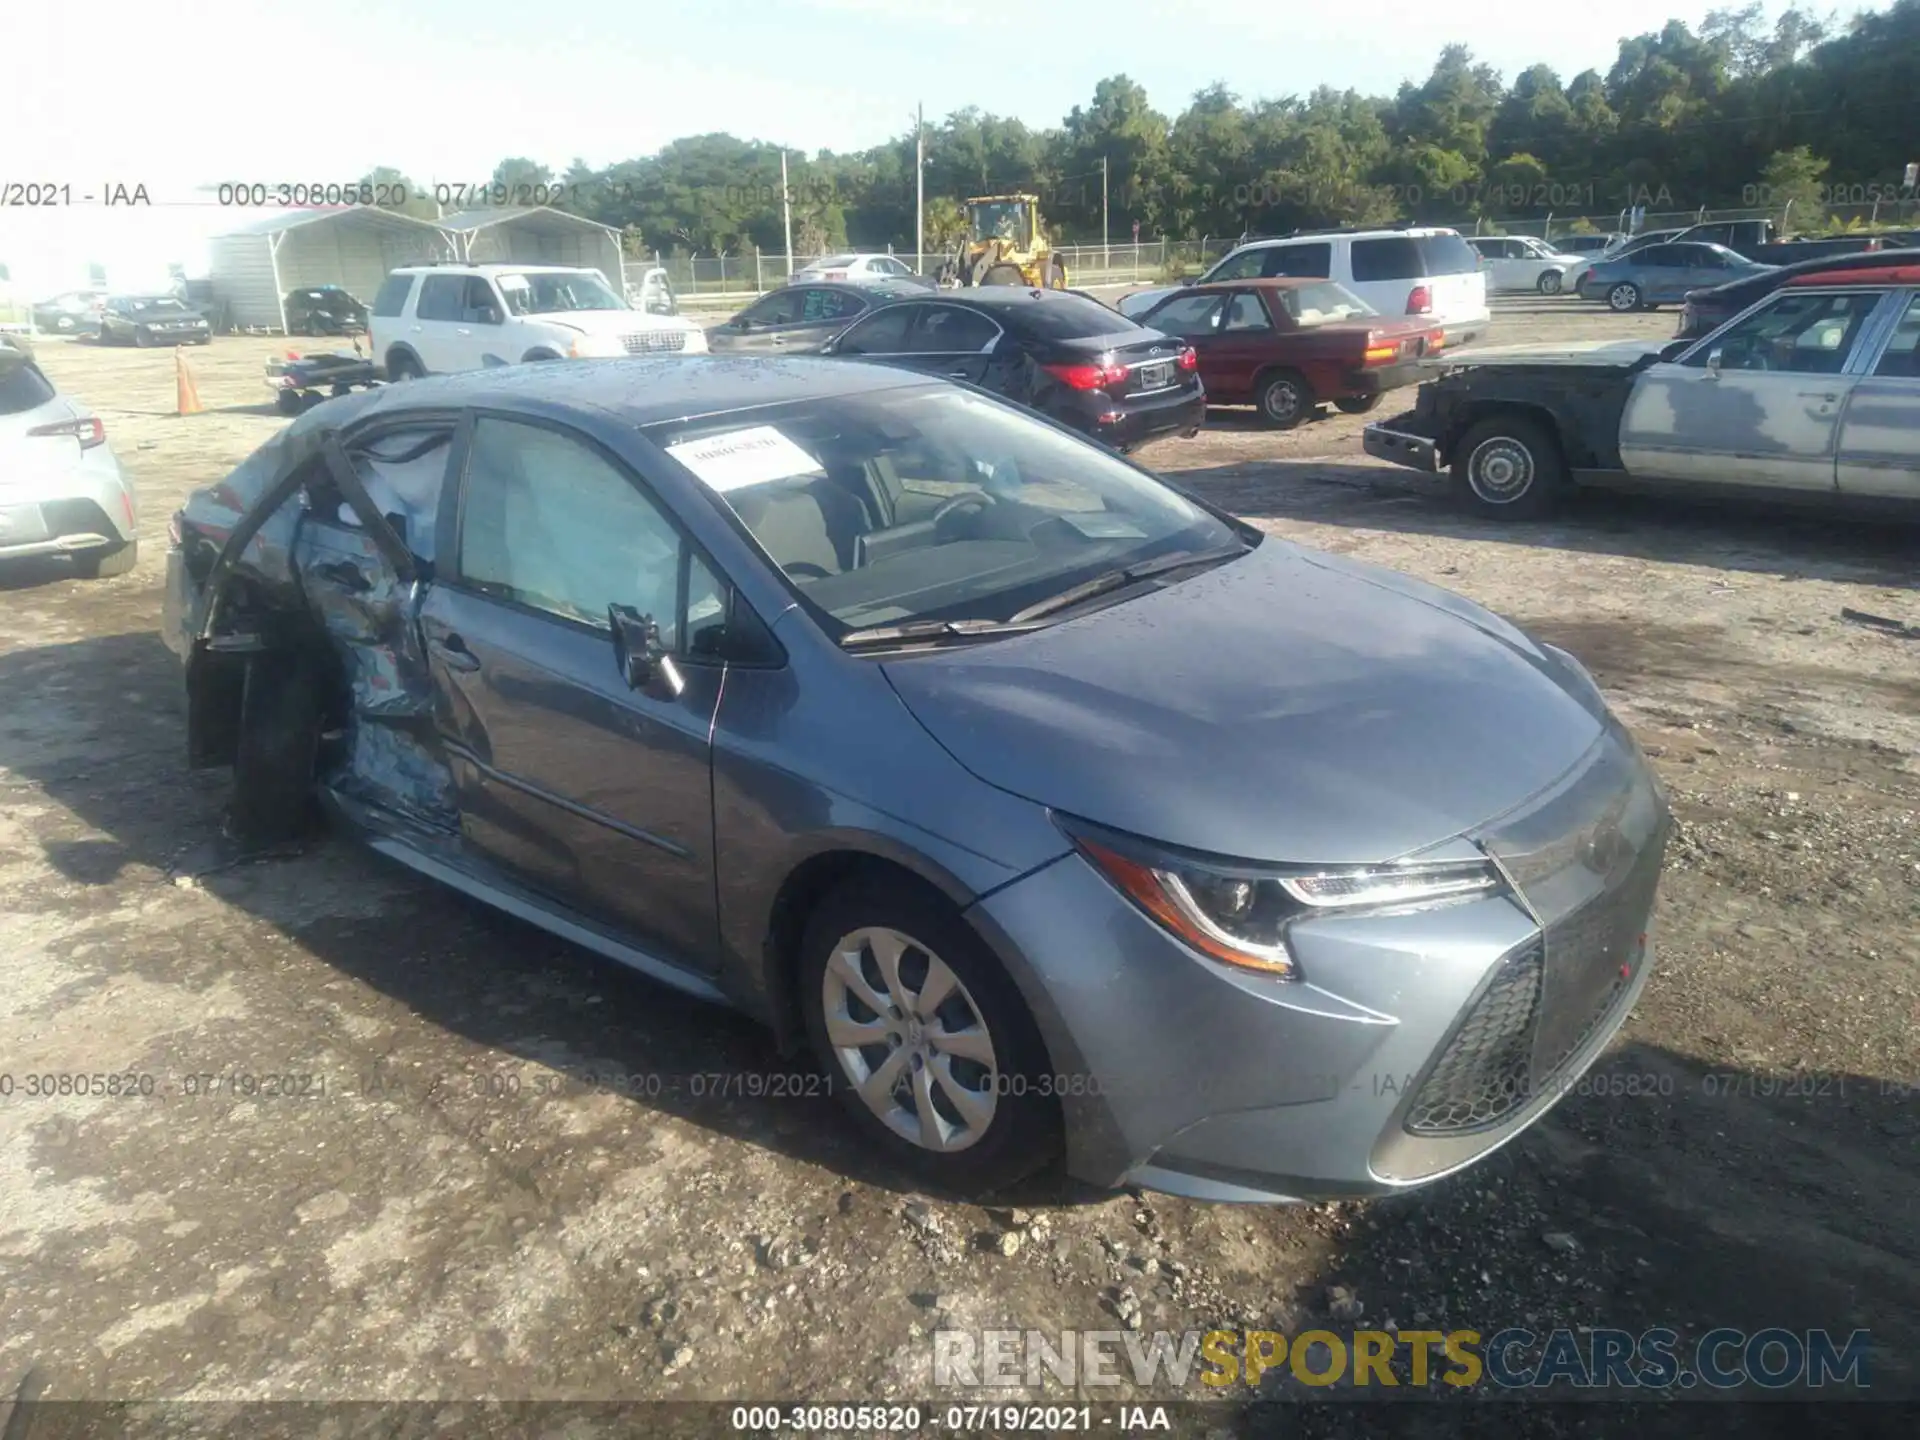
1796 178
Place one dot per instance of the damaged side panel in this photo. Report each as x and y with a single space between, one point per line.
297 559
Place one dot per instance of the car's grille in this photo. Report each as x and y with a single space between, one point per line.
1482 1075
1545 1003
653 342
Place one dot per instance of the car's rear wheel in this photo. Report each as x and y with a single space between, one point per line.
289 402
1624 297
108 561
1509 467
402 366
143 338
1285 399
926 1040
1357 404
1551 282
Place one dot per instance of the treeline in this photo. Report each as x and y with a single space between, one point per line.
1737 114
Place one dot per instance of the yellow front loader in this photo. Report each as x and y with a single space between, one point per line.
1006 245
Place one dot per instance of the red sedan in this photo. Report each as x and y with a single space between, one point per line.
1289 344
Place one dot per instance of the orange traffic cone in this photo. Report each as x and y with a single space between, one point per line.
188 401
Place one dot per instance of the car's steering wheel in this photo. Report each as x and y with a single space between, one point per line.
967 500
806 570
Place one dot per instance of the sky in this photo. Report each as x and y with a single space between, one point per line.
180 96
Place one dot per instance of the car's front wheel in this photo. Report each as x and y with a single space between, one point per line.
1508 467
402 366
143 338
1624 297
926 1039
1551 282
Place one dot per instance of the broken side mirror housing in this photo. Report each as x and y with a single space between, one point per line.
638 652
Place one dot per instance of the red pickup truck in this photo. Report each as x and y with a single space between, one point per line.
1287 345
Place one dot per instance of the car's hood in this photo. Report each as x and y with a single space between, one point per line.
615 322
1581 352
1287 706
1136 304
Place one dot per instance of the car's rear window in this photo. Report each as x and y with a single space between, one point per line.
392 296
1413 257
1068 317
22 386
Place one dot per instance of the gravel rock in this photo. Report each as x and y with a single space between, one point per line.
1343 1304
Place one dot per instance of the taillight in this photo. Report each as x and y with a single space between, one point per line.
89 432
1382 354
1189 359
1420 302
835 275
1088 377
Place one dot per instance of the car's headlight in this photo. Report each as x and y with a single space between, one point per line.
1239 913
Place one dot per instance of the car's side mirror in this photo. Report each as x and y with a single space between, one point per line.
642 659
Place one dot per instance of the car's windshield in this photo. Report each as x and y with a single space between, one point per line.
1311 305
931 504
554 291
1004 219
156 307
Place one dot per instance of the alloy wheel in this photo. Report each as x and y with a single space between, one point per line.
1624 297
911 1039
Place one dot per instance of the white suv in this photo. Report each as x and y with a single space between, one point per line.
1426 271
432 318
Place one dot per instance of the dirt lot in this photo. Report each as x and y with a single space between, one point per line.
509 1190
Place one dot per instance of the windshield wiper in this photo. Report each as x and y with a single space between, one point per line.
1127 575
929 630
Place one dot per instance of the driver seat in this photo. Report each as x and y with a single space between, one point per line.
812 522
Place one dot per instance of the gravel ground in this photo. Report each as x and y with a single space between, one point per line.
499 1175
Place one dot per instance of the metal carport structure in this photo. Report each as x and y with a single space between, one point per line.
537 235
253 266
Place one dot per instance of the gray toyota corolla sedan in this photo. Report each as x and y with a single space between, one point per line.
1055 809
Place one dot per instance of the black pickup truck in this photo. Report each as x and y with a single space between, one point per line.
1759 241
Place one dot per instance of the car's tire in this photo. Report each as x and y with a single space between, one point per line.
289 402
143 339
279 744
1624 297
1509 467
1552 282
107 561
1003 275
533 355
1285 399
991 1107
1056 276
402 366
1357 404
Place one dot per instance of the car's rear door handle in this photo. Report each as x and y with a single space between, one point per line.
453 651
1830 396
957 375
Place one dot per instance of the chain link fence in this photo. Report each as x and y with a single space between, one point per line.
751 273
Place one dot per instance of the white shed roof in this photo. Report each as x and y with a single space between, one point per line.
359 215
532 217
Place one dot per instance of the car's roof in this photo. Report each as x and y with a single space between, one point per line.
1907 274
1263 282
483 266
645 390
1314 237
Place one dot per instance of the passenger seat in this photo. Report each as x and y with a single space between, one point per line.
811 523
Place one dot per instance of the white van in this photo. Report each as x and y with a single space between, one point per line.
1418 270
428 319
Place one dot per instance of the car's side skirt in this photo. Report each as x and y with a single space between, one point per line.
481 883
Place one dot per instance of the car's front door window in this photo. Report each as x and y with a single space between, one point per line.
882 334
780 308
1188 316
1809 333
550 523
1901 359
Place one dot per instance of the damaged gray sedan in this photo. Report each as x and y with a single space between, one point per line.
1056 811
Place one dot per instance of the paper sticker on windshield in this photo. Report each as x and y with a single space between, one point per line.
744 457
1102 525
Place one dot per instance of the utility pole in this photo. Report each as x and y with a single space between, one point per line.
786 209
919 189
1106 258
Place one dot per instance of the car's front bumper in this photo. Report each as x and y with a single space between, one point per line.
1397 441
1413 1044
88 505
